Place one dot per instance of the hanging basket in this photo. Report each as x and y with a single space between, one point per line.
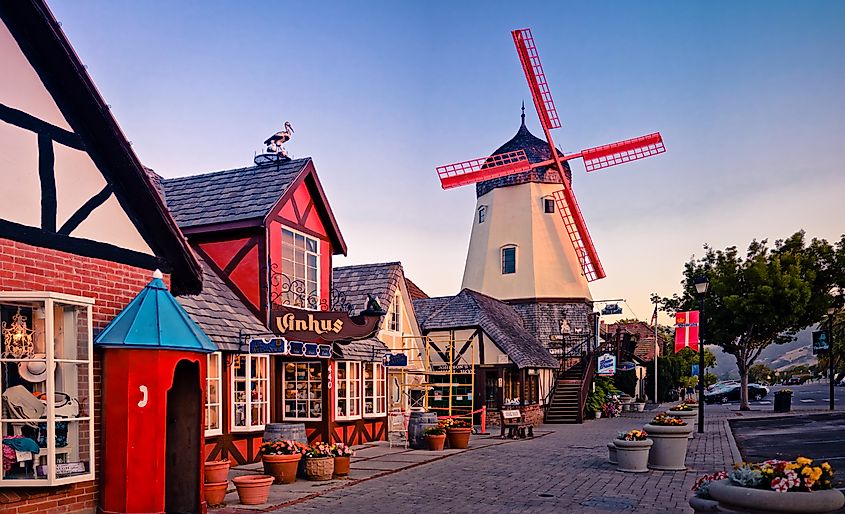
319 468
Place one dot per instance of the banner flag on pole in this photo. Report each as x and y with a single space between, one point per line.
686 330
654 317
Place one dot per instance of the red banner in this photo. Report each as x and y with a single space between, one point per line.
686 330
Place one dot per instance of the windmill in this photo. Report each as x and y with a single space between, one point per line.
512 162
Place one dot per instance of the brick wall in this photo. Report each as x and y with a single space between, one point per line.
112 286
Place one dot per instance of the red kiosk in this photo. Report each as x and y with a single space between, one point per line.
154 369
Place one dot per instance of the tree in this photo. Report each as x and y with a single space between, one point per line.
763 297
760 374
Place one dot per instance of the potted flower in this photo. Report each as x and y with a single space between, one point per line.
342 454
216 471
457 431
686 412
281 459
632 448
701 501
435 437
670 442
253 489
779 486
783 400
319 462
639 404
611 408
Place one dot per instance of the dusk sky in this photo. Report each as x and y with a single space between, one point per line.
749 97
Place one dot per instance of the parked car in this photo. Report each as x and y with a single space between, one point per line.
731 393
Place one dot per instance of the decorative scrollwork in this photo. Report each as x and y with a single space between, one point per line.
287 290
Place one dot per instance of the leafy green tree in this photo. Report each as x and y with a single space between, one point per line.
760 374
763 296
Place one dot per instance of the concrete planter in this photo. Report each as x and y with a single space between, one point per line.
690 416
754 501
639 406
632 456
670 446
703 505
611 453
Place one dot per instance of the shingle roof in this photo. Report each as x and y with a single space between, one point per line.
231 195
497 319
414 290
357 281
370 350
220 313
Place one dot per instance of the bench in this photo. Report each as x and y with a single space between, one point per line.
512 420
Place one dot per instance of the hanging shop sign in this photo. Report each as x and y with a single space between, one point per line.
686 330
626 366
281 346
821 341
395 360
317 326
606 364
611 309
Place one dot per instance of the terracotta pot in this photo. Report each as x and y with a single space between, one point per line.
319 468
703 505
341 466
216 471
632 456
281 467
215 492
732 498
435 442
670 446
253 489
458 437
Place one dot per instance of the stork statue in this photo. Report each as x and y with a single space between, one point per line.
274 143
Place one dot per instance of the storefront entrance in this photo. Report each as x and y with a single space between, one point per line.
183 443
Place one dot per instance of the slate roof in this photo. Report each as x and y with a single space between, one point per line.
497 319
220 313
369 350
356 281
230 195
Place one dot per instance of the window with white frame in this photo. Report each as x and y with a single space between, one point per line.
348 392
301 267
394 320
508 260
47 388
213 389
374 385
303 390
482 214
250 392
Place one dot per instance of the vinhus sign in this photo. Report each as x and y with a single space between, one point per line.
325 326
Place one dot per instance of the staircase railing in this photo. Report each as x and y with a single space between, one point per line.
586 380
572 355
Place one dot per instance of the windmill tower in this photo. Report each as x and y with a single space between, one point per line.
530 246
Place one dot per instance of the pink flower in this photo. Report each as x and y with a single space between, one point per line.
792 479
780 485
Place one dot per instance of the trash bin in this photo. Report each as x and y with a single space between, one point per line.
783 401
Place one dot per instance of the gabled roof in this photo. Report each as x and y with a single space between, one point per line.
497 319
154 320
414 290
220 313
42 41
380 280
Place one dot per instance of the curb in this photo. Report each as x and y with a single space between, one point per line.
735 455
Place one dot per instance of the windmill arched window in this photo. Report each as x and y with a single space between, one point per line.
508 259
482 214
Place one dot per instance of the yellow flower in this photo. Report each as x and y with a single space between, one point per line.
826 466
807 471
791 465
804 461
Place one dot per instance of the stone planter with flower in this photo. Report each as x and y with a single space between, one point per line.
281 459
670 436
701 502
632 448
342 453
458 432
686 412
319 462
777 486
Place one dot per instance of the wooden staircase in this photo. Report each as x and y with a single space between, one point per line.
567 404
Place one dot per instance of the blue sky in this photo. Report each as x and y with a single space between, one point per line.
748 96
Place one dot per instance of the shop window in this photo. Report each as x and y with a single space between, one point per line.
213 388
47 421
508 260
482 214
549 205
532 387
374 397
301 267
394 320
348 396
512 393
303 386
250 388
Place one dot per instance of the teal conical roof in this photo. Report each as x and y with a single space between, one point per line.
155 320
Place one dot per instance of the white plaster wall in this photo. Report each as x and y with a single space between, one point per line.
547 266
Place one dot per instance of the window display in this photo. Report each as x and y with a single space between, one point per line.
212 395
348 381
374 396
303 387
250 392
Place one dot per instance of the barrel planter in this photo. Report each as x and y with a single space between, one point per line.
458 437
281 467
632 456
611 453
216 471
215 492
253 489
670 446
732 498
690 416
417 423
703 505
436 442
319 468
285 432
341 466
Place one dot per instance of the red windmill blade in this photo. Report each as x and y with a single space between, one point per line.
485 168
540 91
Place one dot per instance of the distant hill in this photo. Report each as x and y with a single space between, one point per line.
777 356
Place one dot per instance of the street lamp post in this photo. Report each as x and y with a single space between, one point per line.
701 286
830 312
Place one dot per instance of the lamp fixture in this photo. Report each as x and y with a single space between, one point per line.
702 284
17 338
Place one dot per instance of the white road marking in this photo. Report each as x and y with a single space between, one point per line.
807 400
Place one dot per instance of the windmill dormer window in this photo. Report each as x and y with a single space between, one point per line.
549 205
301 270
508 260
482 214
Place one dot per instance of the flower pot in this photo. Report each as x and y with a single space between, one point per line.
435 442
632 456
611 453
253 489
597 414
281 467
639 406
702 505
458 437
670 446
215 492
732 498
690 416
341 466
216 471
319 468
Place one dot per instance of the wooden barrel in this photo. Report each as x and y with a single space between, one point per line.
418 422
285 432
